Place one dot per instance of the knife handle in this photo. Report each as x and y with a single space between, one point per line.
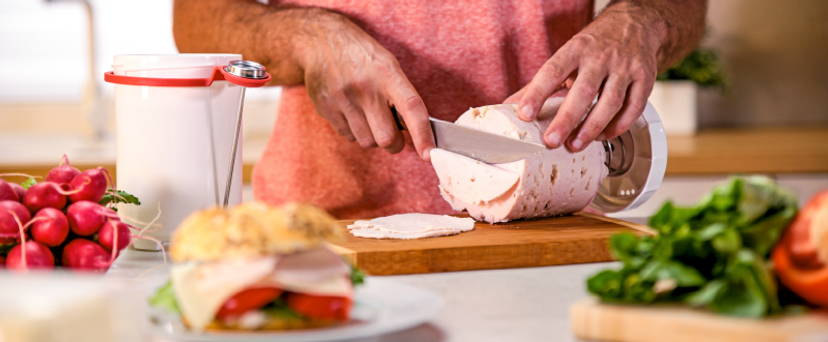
398 119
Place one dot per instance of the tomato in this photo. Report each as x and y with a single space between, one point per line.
246 300
326 308
796 258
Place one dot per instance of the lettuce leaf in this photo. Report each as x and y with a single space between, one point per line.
164 298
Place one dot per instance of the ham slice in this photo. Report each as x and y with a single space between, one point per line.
473 181
411 226
553 182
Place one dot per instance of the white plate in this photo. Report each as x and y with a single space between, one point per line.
381 306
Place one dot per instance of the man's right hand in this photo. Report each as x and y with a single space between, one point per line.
353 82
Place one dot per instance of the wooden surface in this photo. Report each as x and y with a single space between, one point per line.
716 151
524 243
602 322
756 150
42 170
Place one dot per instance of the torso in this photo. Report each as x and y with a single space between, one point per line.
457 54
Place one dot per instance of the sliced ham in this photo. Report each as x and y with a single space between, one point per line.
552 182
411 226
371 233
472 181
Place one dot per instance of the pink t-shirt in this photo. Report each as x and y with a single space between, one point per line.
457 54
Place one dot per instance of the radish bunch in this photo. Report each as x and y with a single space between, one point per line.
67 220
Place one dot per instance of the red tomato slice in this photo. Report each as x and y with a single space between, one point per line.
326 308
246 300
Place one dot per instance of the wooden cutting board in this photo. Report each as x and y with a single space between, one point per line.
560 240
592 320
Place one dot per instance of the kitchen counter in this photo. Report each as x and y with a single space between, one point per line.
715 151
750 150
526 304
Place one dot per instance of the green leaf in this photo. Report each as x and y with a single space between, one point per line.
706 294
685 276
701 66
118 196
710 231
728 241
28 183
624 247
357 276
279 309
606 284
711 255
165 298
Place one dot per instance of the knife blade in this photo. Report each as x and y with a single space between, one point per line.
480 145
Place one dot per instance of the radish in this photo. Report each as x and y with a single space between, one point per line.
82 254
86 218
106 236
45 195
52 230
7 193
90 185
37 256
19 190
8 224
2 261
62 174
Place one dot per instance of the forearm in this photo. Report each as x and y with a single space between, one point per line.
680 24
275 36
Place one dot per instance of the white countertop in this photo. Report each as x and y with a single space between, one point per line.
527 304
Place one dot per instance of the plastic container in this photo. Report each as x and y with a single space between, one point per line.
174 142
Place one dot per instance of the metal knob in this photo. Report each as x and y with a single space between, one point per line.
246 69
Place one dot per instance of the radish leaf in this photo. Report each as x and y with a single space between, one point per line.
118 196
28 183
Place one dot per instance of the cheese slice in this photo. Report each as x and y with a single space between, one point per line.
335 287
201 289
469 180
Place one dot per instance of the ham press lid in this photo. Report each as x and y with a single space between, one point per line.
636 161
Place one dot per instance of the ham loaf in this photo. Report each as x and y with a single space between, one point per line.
553 182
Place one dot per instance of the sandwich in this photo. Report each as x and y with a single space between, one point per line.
257 267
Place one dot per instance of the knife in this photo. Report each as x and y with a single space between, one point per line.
480 145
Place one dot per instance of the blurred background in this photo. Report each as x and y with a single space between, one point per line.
769 115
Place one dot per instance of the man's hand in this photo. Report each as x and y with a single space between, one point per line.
617 56
353 82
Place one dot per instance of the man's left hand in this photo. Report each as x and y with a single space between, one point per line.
616 57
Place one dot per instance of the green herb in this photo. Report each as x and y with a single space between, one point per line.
701 66
28 183
165 298
118 196
279 309
713 255
357 276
